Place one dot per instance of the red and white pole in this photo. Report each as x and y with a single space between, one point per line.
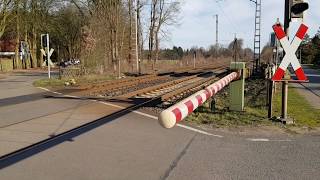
176 113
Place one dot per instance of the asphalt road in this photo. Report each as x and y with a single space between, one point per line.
20 101
135 146
314 78
310 90
29 115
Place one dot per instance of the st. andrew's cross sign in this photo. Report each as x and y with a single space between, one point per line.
290 49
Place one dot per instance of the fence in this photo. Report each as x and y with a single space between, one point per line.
72 72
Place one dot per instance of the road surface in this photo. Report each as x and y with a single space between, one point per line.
310 90
29 114
135 146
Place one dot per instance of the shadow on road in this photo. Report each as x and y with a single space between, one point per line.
17 156
22 99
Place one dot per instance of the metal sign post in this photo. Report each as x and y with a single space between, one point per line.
194 59
46 52
48 57
289 58
294 9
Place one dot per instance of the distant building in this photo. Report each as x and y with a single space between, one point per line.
7 54
7 45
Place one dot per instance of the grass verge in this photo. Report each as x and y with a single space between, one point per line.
59 83
255 111
299 109
53 82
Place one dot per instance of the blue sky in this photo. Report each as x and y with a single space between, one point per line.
197 27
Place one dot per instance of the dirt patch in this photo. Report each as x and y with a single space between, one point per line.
2 76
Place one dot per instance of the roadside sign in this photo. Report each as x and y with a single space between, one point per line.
48 58
290 50
46 52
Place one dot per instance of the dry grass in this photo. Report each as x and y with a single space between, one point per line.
84 80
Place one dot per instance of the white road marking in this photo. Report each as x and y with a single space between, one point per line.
45 89
138 112
267 140
198 131
180 125
284 140
76 97
313 75
109 104
258 140
146 115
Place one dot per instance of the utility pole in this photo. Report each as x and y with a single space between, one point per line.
235 49
217 30
194 59
257 36
137 41
284 105
217 35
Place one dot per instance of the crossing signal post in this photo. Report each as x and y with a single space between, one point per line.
294 9
46 52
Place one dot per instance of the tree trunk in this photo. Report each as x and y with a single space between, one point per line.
130 31
152 26
26 61
17 61
140 33
33 49
116 36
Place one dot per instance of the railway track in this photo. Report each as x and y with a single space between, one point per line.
177 89
169 88
128 85
125 86
170 92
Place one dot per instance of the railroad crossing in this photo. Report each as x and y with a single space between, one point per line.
140 126
135 146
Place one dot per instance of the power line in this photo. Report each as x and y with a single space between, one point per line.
234 24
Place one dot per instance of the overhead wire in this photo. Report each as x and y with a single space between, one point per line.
234 24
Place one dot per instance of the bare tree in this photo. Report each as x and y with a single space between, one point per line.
153 16
163 14
168 15
140 6
130 9
5 13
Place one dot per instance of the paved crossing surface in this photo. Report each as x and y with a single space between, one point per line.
135 146
311 90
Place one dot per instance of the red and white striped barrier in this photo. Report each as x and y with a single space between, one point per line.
176 113
290 50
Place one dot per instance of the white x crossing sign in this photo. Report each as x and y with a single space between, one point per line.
290 49
48 59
